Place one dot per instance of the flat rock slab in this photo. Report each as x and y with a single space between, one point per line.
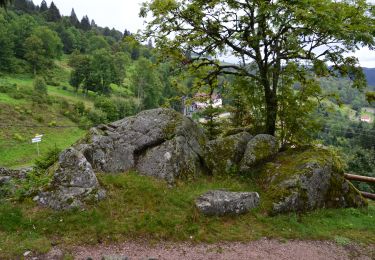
219 202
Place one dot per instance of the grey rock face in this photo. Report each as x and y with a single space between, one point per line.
74 183
224 155
218 202
17 174
307 180
160 143
259 149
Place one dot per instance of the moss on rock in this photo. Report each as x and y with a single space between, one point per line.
307 179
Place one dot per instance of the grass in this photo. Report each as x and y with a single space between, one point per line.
16 132
143 208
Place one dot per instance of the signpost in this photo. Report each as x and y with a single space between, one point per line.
37 139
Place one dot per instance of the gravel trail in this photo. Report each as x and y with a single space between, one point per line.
262 249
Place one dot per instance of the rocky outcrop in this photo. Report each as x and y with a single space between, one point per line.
16 174
223 155
260 148
7 179
159 143
219 202
308 179
74 183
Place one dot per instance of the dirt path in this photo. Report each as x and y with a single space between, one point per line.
262 249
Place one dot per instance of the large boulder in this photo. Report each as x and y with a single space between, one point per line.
223 155
159 143
219 202
259 149
307 179
74 183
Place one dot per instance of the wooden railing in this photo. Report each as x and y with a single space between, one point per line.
352 177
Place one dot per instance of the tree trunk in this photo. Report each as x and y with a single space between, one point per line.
271 111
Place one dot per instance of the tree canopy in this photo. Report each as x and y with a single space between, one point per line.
271 39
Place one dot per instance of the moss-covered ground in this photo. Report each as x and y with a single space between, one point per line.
143 208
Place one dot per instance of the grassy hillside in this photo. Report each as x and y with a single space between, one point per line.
21 117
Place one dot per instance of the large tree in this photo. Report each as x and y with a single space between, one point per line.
266 36
42 47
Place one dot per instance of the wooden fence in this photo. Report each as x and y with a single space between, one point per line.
352 177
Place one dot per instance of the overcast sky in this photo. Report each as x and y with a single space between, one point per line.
123 14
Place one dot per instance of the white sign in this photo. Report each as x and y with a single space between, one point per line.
37 139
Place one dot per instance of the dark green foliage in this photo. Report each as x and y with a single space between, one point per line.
74 19
108 107
43 7
26 6
212 122
4 3
97 71
6 49
147 84
53 13
85 23
49 159
40 85
42 47
266 36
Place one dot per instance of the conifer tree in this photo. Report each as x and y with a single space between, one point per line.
85 23
43 7
73 19
53 13
93 24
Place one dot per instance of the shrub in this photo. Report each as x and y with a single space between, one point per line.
40 85
108 107
97 117
46 161
18 137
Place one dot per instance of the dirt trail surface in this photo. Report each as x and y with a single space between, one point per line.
262 249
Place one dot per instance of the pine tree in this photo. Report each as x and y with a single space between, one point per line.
127 33
85 23
73 19
93 24
43 7
53 13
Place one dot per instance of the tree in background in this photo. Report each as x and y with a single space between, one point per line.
21 29
7 45
85 23
43 7
53 13
42 47
97 71
146 84
40 85
26 6
73 19
265 36
6 50
81 69
97 42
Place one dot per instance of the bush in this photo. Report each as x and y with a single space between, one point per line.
108 107
97 117
18 137
46 161
40 85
